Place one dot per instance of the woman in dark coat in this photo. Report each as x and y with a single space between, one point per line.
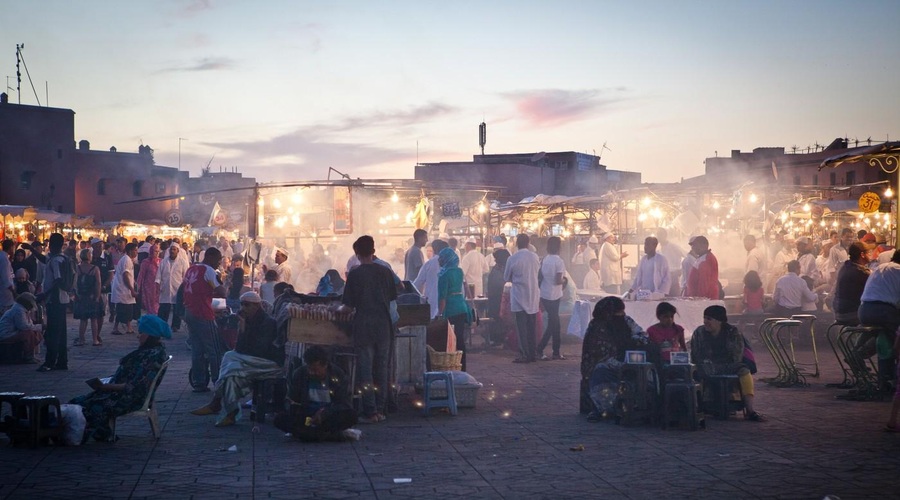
609 334
495 284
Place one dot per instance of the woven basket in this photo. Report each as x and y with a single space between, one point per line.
445 361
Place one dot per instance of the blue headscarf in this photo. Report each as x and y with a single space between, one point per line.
153 326
448 259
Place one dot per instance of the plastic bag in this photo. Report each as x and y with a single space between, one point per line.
73 424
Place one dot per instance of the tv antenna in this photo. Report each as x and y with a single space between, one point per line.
601 151
20 59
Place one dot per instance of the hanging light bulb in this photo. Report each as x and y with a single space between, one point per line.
716 205
481 208
753 198
806 207
888 192
394 197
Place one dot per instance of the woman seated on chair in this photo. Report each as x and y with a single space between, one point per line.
609 334
717 348
128 388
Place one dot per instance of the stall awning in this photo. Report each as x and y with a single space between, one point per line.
13 210
886 156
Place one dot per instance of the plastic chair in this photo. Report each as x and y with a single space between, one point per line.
448 401
149 407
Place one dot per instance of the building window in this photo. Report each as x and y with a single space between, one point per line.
101 187
25 179
851 178
137 188
833 178
160 188
796 180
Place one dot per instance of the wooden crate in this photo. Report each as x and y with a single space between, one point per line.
316 331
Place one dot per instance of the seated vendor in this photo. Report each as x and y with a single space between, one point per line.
128 388
667 335
717 348
16 326
320 407
609 334
255 357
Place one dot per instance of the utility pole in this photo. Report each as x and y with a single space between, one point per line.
179 151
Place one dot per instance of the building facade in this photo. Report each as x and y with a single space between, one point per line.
41 166
773 165
527 174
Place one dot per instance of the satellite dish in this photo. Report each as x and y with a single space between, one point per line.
538 157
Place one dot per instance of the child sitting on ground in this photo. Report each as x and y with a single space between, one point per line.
753 293
667 331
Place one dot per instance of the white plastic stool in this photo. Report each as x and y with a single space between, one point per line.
446 402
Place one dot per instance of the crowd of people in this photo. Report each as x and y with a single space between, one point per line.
126 281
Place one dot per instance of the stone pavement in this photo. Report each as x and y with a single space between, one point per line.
515 444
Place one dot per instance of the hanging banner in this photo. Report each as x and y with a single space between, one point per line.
343 214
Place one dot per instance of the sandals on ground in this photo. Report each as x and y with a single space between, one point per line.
756 417
891 428
78 343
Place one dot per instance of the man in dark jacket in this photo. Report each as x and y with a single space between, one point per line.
320 407
850 283
255 357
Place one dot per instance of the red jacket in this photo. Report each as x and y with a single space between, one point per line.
704 278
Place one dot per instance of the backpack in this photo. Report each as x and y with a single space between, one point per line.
67 273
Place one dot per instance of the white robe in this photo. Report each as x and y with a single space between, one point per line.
169 276
522 270
427 283
474 267
592 280
610 270
661 278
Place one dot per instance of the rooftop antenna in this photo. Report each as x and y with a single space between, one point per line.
482 136
601 151
20 58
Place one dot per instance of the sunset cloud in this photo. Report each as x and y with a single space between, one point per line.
556 106
395 118
203 64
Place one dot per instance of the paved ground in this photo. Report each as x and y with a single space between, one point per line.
515 444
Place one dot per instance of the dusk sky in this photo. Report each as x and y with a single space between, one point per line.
285 89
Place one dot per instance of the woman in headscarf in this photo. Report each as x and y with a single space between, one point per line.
331 283
495 284
717 348
451 298
609 334
128 388
147 287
